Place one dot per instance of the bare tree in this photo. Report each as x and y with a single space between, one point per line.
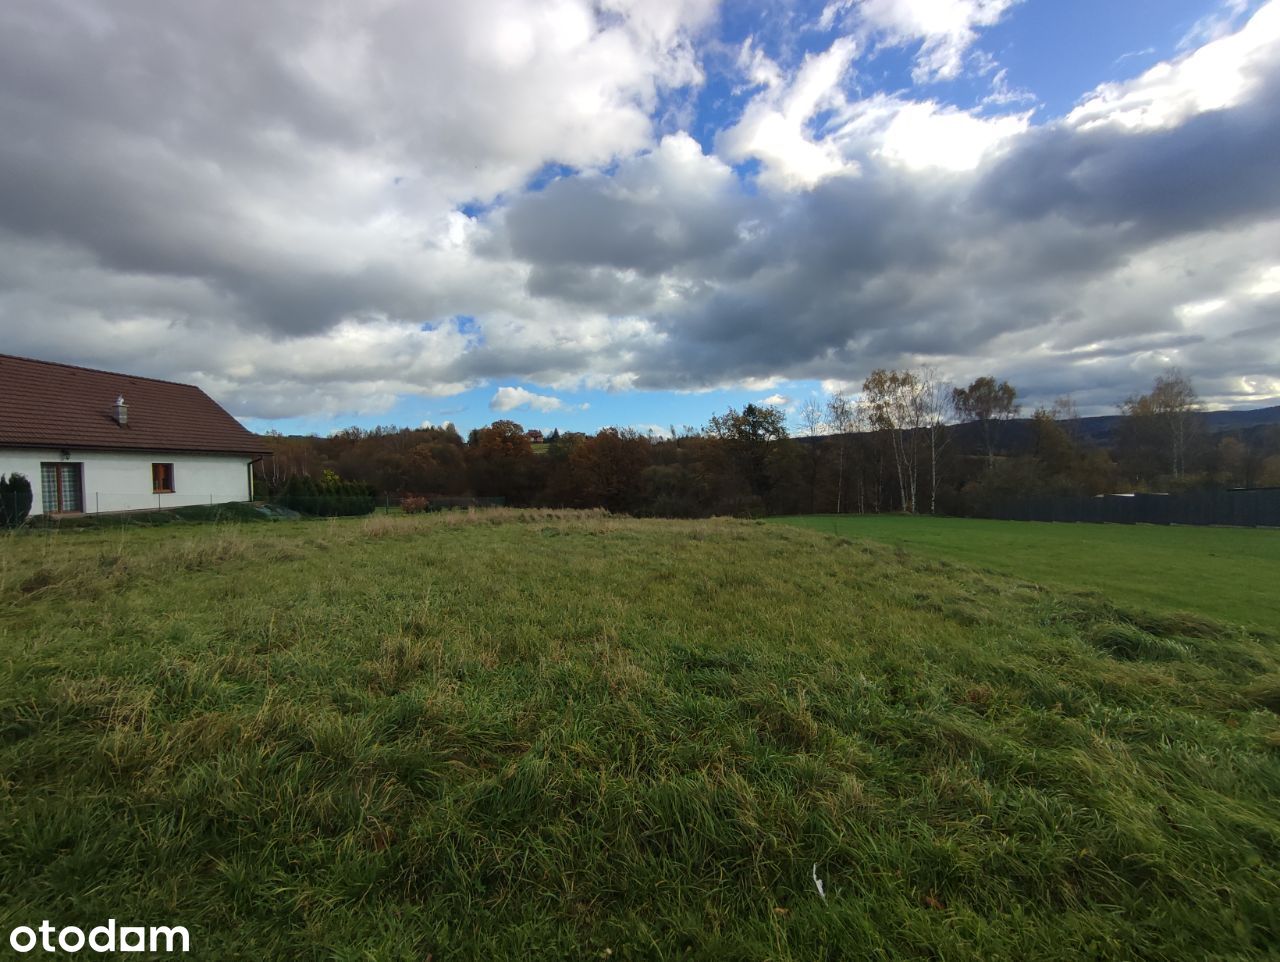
843 417
1067 414
811 423
1065 409
810 418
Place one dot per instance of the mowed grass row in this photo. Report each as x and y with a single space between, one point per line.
1230 574
541 735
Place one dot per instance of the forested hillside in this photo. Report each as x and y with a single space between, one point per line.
907 443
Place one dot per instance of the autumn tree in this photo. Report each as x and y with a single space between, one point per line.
1231 462
752 440
289 457
1167 419
502 463
682 479
560 489
1054 449
436 468
607 469
989 403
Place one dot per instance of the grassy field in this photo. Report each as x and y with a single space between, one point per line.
1231 574
541 736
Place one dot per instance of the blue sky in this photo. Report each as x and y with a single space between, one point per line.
641 212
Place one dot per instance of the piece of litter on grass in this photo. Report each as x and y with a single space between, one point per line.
818 882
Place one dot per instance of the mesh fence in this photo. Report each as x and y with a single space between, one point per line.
414 503
328 505
1244 508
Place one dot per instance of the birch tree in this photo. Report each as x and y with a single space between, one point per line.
811 423
843 418
1170 414
894 406
935 401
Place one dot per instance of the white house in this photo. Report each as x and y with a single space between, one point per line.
92 441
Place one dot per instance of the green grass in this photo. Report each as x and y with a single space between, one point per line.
544 735
1231 574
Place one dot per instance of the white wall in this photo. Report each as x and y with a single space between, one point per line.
121 480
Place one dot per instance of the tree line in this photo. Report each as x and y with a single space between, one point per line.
908 442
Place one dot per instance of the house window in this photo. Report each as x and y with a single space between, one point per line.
62 487
162 478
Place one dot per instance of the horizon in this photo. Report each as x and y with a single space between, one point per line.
666 435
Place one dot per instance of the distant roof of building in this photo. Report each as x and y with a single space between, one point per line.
44 404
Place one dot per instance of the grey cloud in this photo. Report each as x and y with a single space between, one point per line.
1063 247
1127 346
671 208
183 190
590 286
1213 171
141 136
265 151
585 223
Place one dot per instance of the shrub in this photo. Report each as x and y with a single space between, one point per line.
413 505
331 497
15 500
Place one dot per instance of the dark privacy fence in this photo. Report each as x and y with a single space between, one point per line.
1250 509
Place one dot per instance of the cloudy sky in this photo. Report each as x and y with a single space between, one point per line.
638 212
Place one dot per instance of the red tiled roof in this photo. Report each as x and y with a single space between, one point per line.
48 405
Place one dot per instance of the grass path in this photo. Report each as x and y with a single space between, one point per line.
1231 574
540 735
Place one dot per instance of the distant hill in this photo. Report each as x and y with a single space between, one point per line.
1100 431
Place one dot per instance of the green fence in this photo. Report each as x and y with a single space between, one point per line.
1255 508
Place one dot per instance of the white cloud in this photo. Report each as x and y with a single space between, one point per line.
920 135
1218 75
1003 95
758 68
774 127
1267 282
775 400
511 398
945 29
1218 23
1135 54
653 430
